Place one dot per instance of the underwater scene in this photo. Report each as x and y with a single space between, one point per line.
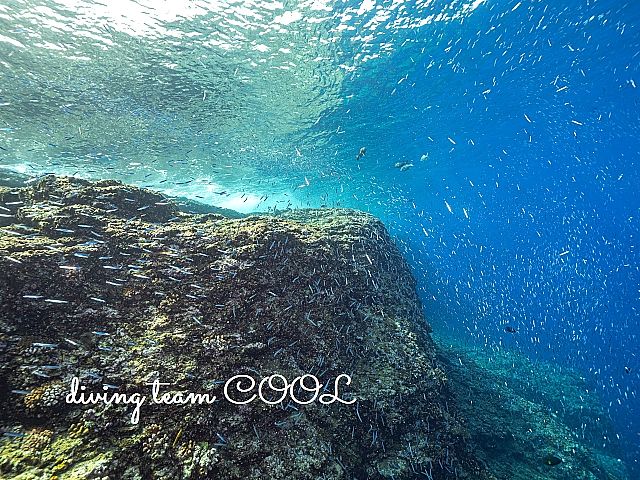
319 239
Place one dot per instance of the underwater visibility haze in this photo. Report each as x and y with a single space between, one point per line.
498 142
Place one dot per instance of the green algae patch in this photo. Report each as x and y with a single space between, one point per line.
40 455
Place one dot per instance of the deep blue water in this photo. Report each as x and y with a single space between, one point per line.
524 214
549 180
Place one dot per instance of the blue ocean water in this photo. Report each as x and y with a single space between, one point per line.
517 122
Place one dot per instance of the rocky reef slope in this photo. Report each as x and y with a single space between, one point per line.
115 287
524 416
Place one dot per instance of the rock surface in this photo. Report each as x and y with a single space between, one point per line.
113 285
520 412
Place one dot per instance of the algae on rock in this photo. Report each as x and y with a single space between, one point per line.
114 285
519 411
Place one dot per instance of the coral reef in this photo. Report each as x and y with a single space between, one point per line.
113 286
135 339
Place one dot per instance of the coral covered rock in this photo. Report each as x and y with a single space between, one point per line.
112 289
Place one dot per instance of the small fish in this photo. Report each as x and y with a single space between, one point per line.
176 439
424 157
53 300
551 460
406 167
400 164
32 296
361 153
14 435
92 375
45 345
21 392
509 329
